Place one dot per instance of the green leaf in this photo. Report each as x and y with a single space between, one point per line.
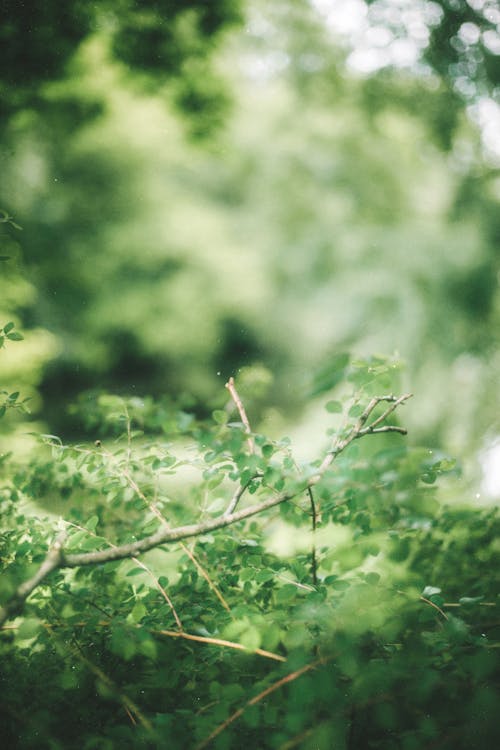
215 481
247 574
148 648
340 584
286 593
251 638
262 576
15 336
29 628
134 572
220 416
356 410
77 539
69 680
8 327
331 374
470 600
138 612
267 450
430 591
429 477
446 464
91 524
334 407
271 636
103 689
216 505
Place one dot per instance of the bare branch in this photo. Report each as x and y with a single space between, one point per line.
238 494
386 428
394 405
168 536
359 430
241 409
57 558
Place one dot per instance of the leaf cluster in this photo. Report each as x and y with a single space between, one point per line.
158 40
11 400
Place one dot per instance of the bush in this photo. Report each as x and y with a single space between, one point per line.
203 588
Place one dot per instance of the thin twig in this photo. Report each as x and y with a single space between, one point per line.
256 699
220 642
241 409
314 563
207 578
161 589
297 740
238 494
305 586
359 430
433 604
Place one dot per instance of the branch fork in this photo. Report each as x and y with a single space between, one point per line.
57 558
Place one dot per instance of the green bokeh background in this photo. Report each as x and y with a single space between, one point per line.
205 187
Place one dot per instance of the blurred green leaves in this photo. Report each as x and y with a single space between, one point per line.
322 217
298 212
156 39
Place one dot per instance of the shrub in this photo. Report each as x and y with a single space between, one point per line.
190 583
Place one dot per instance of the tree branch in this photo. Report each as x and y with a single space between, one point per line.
168 536
359 430
57 558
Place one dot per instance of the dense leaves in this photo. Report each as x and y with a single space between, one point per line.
460 39
378 629
160 39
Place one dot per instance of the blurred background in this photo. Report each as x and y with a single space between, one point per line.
244 186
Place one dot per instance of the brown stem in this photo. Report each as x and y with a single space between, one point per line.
256 699
241 409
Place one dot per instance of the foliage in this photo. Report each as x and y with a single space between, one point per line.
326 603
21 368
10 400
181 579
161 40
463 40
331 212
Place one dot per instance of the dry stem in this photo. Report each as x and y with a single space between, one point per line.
241 409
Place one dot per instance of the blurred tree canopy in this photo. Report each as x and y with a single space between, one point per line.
461 43
162 39
326 209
